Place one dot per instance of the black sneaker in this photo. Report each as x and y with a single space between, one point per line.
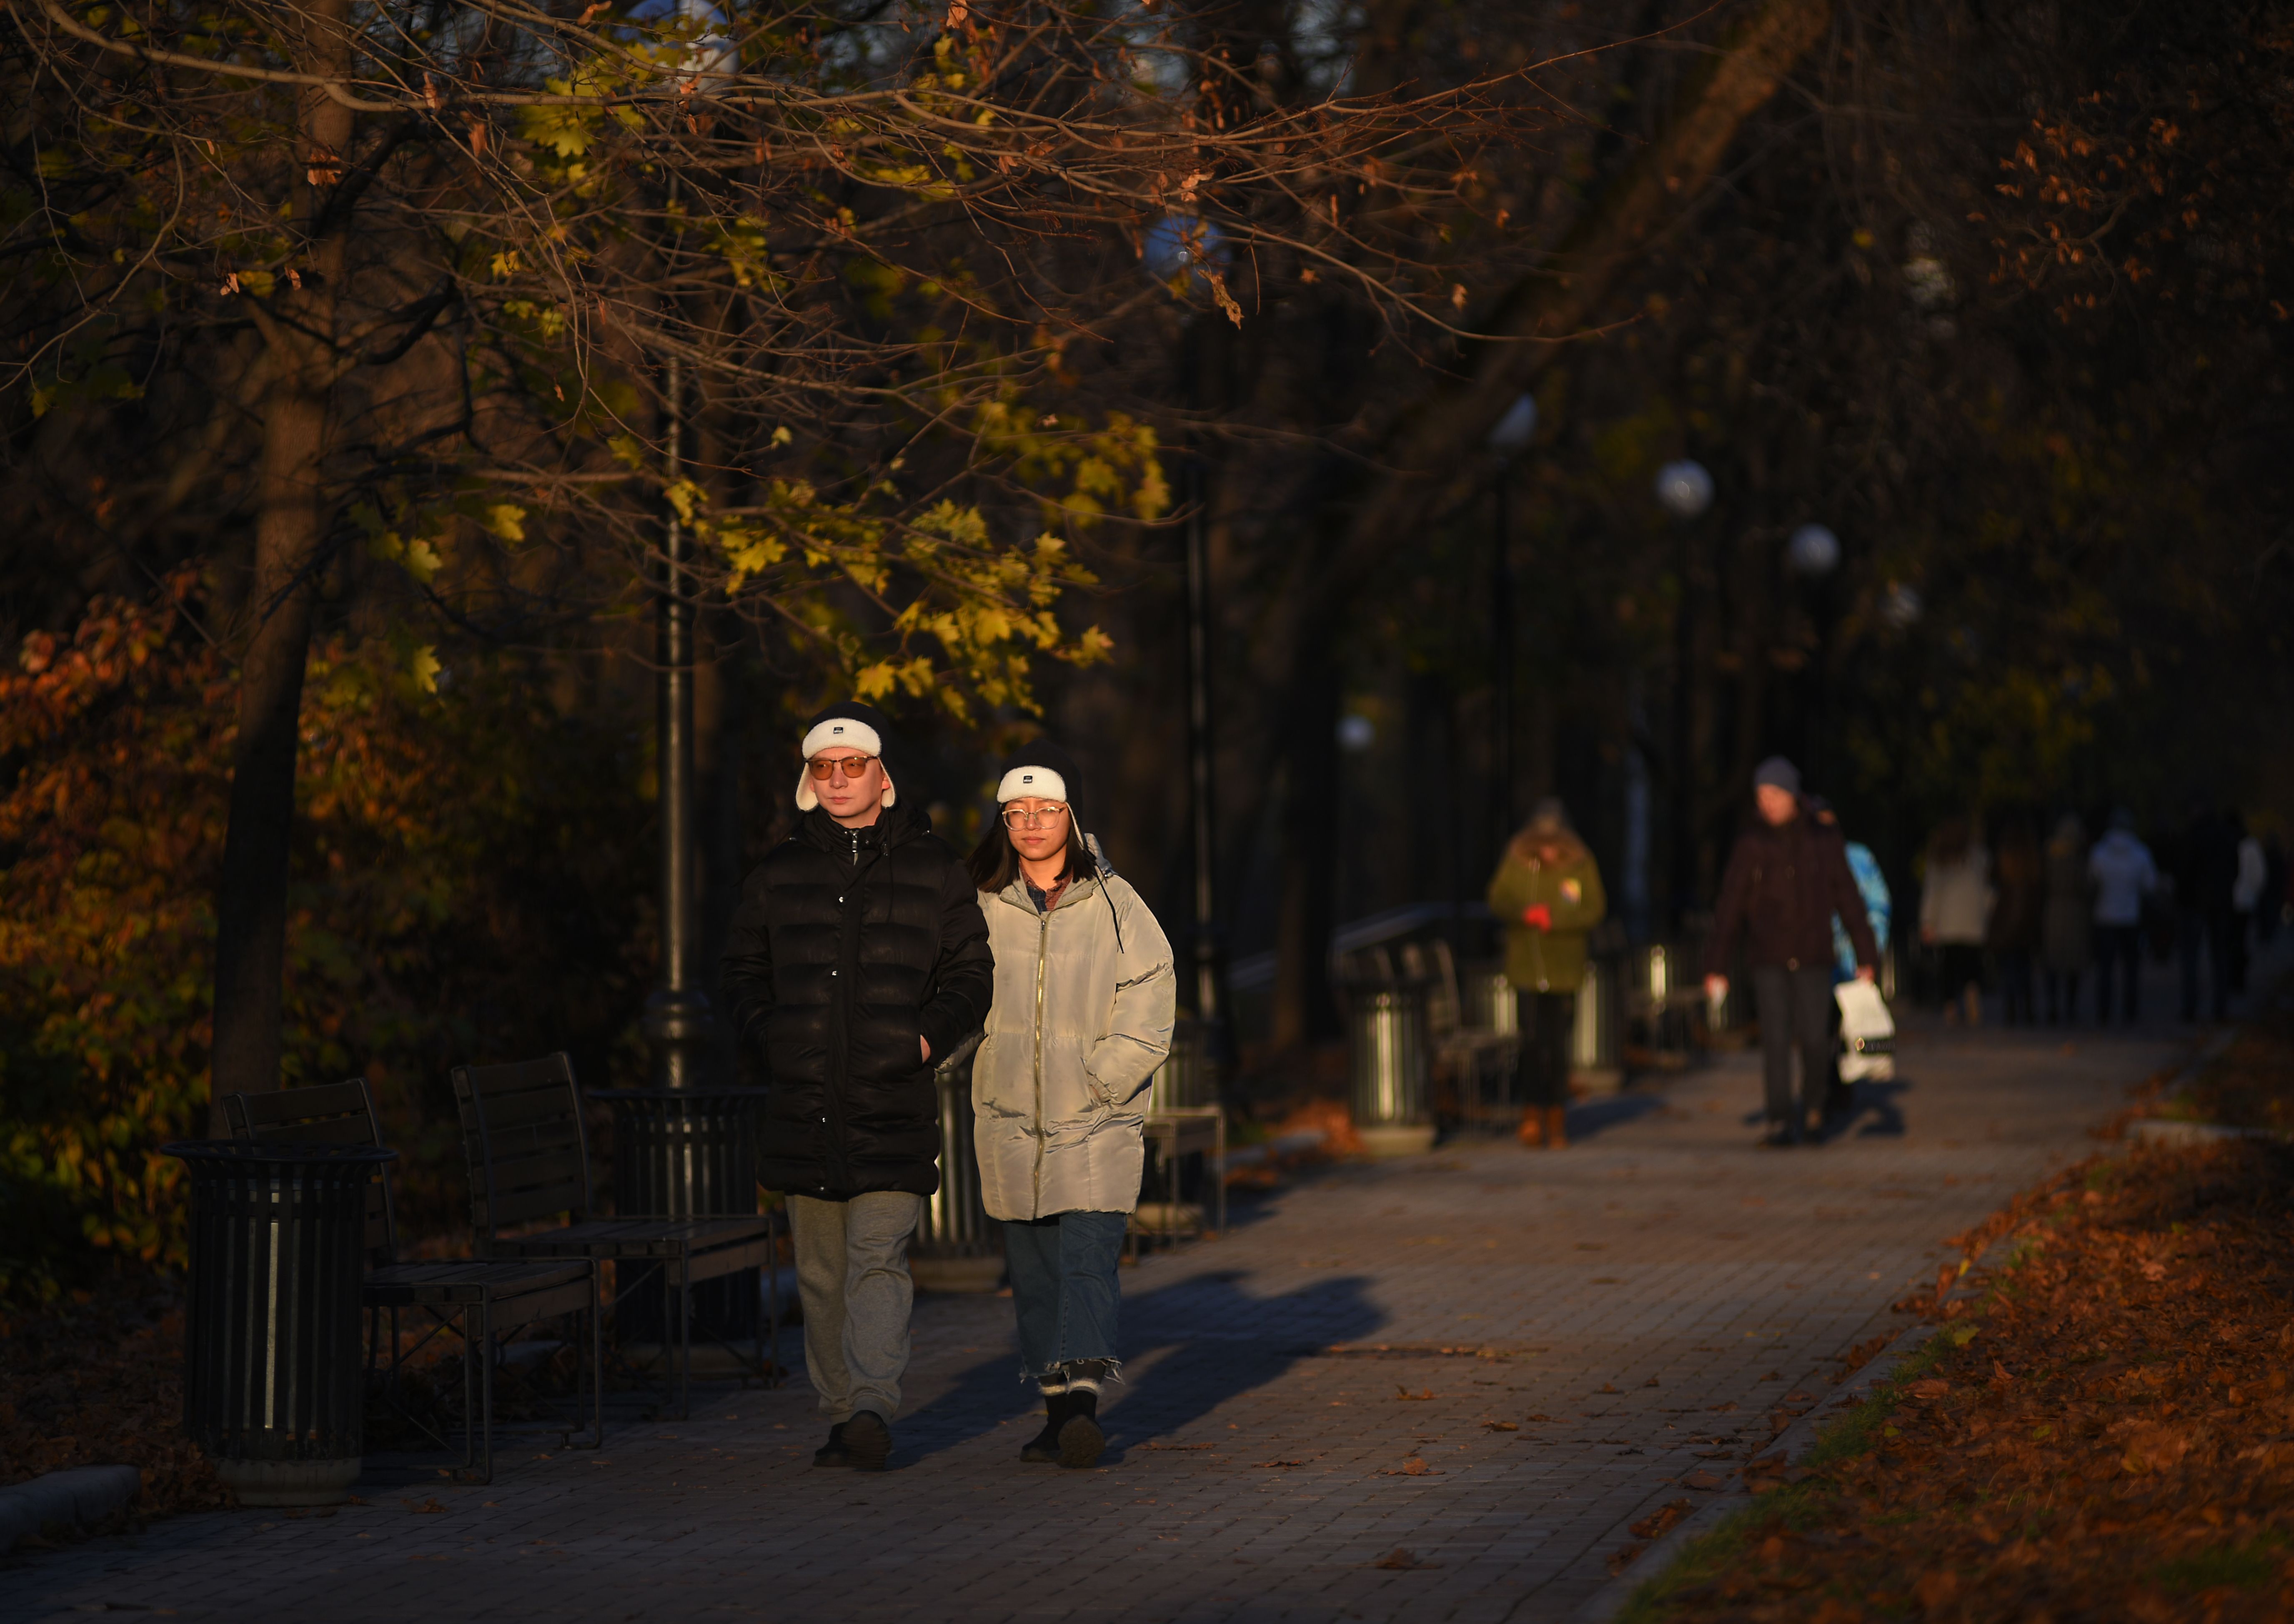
1044 1448
832 1453
1080 1439
867 1441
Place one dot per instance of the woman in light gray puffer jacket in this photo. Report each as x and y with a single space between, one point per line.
1084 991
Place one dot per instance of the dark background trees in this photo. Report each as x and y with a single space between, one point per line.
1991 290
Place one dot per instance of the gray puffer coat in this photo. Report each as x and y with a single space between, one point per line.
1082 1017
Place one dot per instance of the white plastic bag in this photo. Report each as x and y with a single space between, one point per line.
1868 1032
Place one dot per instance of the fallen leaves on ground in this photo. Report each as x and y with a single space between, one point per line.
1415 1466
2107 1434
97 1380
1503 1426
1403 1561
1658 1521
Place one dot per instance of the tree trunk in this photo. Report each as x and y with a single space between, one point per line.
1302 1010
1414 464
293 513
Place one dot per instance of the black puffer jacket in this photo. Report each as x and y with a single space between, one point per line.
846 946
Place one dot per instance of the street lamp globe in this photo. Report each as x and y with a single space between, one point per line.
1684 489
1176 244
1515 429
1813 550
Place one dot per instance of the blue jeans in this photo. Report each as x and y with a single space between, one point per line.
1064 1286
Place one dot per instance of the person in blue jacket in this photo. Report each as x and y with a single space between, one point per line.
1878 905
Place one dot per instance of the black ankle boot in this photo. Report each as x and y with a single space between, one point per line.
1044 1448
1080 1437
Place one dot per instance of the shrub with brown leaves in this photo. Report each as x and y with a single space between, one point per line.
2106 1434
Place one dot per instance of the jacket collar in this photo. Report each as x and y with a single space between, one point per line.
895 826
1079 886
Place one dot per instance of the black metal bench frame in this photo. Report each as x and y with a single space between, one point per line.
529 1155
479 1299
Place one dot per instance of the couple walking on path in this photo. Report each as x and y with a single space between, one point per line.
864 948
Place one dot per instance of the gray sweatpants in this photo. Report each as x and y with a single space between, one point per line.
852 1274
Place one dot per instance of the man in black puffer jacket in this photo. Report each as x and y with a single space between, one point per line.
858 954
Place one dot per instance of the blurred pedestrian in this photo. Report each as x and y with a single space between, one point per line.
1871 886
2018 884
857 954
2245 898
1548 891
2067 918
2271 914
1956 914
2205 871
1786 879
1085 996
2123 875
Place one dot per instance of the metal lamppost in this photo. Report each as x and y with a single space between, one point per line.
686 1146
1507 441
1812 553
678 1018
1174 247
1684 490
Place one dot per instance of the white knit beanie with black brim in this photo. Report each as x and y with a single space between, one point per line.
1040 769
852 727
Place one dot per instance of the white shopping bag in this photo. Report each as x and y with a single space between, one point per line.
1868 1032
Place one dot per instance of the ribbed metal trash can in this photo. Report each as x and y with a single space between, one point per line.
957 1246
1597 1040
274 1367
1387 1053
688 1152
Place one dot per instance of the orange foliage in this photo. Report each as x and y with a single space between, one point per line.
465 884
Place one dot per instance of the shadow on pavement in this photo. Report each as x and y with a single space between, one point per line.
1224 1341
1589 1119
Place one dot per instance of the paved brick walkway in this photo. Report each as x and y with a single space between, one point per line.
1492 1360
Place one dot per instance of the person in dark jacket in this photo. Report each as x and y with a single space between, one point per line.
2205 872
2019 880
1786 879
857 954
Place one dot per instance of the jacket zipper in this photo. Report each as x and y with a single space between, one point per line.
1043 964
847 958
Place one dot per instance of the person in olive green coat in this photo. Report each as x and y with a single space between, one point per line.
1548 895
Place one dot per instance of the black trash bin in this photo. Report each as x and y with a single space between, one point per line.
689 1153
274 1380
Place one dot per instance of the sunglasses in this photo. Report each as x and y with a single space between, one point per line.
1018 818
852 765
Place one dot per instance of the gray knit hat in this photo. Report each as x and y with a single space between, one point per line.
1778 772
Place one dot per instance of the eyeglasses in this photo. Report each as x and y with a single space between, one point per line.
1016 817
853 766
